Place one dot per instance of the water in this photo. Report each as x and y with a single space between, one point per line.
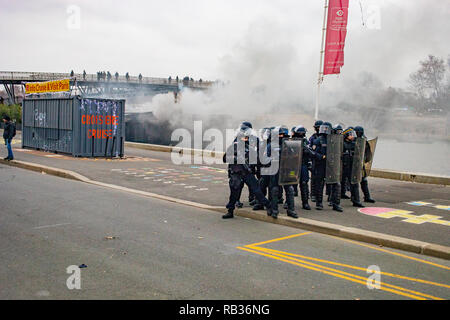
431 158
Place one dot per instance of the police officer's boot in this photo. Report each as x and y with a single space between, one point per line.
258 206
275 201
365 190
335 192
229 215
290 202
354 188
313 190
319 195
304 195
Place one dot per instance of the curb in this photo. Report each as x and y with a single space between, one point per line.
410 177
376 173
425 248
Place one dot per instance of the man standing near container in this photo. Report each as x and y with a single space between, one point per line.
8 134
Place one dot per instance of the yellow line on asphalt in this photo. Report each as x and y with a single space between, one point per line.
394 253
348 274
351 267
330 273
278 239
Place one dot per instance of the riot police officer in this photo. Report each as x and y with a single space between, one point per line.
367 158
337 129
239 171
295 186
254 141
322 164
300 134
263 179
347 168
274 152
311 140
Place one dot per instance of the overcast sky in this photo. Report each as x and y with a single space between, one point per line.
199 38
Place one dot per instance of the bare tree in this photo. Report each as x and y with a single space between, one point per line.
428 82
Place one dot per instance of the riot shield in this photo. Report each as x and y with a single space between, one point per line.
335 147
358 160
290 160
372 144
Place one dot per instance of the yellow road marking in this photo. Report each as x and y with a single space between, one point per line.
279 239
348 274
322 270
394 253
349 266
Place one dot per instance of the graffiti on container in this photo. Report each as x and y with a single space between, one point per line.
62 144
98 112
40 118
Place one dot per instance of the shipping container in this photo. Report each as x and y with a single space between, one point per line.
82 127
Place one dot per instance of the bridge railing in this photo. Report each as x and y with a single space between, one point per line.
46 76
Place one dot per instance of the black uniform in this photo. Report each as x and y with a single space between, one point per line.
347 163
304 173
274 187
367 157
311 140
319 172
239 174
364 182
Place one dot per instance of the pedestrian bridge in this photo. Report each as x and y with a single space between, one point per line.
95 85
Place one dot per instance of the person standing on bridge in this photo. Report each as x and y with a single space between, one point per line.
8 134
117 76
84 74
140 78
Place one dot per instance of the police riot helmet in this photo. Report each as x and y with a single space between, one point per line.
318 123
349 132
248 124
265 134
300 131
325 128
283 131
244 131
337 129
359 131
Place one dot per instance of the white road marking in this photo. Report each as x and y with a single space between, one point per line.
52 225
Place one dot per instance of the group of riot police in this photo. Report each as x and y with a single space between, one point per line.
278 160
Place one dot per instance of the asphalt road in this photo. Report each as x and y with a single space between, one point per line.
155 172
142 248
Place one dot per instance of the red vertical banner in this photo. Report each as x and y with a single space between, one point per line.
335 39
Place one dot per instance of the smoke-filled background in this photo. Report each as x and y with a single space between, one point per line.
265 56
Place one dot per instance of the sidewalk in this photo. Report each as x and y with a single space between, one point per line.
419 212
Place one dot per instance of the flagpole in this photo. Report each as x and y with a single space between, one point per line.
320 79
